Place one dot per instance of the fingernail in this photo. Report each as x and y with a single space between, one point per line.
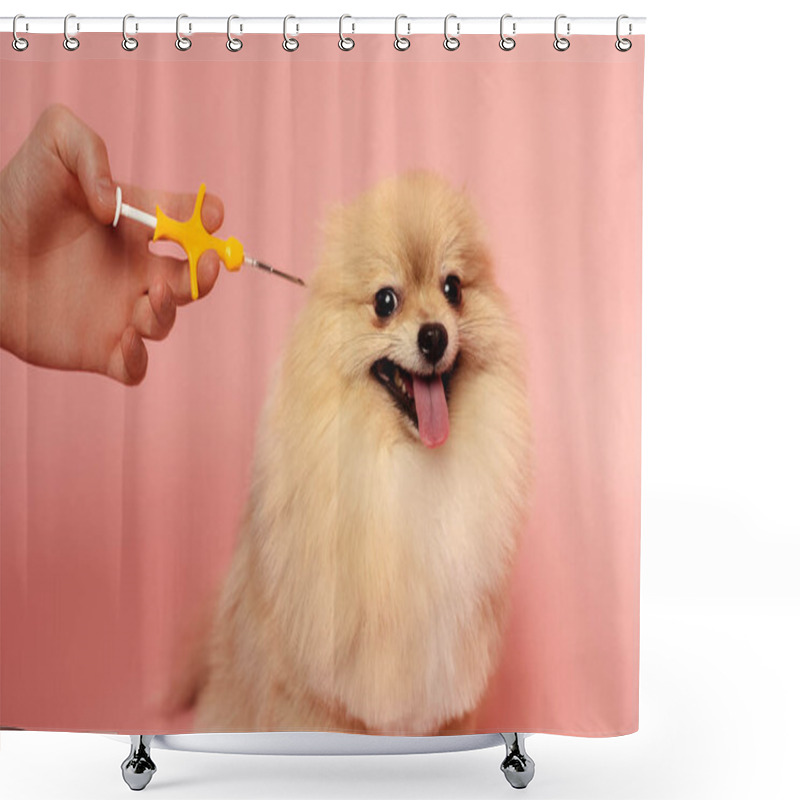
105 191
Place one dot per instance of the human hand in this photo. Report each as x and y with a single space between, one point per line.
76 293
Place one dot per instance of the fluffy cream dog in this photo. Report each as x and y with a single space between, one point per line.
368 588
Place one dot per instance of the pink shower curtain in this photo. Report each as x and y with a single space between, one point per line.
121 506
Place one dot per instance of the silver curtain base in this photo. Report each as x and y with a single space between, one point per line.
139 767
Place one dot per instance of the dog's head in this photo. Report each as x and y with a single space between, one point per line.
409 280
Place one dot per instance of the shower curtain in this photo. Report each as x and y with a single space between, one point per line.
402 498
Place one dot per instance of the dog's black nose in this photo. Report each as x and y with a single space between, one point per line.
432 341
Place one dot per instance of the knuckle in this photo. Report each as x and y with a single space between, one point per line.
57 111
94 144
56 117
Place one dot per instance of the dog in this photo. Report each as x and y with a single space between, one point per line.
369 585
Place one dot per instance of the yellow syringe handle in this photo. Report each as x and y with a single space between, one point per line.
195 240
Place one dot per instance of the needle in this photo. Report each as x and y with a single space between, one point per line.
261 265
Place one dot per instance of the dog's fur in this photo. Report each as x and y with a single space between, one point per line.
367 591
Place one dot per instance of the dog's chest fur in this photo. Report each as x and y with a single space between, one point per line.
383 564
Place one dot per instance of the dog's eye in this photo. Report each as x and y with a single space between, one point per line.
385 302
452 290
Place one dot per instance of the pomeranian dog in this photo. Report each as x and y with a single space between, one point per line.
369 584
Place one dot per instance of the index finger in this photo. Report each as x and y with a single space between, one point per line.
179 206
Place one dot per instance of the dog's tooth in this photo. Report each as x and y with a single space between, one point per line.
398 381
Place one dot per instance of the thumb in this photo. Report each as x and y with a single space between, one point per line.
84 154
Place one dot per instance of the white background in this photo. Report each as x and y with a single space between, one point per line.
721 526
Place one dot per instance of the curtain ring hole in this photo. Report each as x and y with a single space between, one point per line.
290 44
233 44
182 42
18 43
507 42
561 43
345 42
401 43
451 43
623 45
129 43
71 43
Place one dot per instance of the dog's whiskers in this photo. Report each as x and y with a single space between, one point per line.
361 362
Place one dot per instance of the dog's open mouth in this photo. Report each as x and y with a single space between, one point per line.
422 398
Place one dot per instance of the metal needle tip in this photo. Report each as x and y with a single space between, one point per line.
267 268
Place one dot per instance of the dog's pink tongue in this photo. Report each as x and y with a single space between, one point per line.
434 421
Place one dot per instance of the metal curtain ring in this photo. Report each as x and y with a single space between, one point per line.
623 45
451 42
233 44
561 43
290 44
182 42
18 43
507 42
401 42
70 42
345 42
128 42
